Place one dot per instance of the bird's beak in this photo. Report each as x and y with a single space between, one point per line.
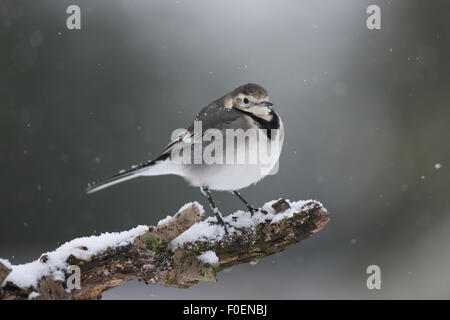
268 104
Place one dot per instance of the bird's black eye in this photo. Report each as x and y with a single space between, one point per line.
245 100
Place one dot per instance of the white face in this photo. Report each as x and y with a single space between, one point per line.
257 106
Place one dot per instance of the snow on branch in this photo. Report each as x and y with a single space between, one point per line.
178 252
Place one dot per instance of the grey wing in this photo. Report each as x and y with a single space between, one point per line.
212 116
221 118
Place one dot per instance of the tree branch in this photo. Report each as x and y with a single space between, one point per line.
179 252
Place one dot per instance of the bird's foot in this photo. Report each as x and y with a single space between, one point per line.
221 222
253 210
226 225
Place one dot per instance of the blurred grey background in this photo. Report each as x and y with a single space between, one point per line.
367 116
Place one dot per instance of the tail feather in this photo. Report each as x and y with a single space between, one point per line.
134 172
118 178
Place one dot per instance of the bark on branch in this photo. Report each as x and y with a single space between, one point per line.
155 257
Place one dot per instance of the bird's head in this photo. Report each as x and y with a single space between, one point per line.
251 98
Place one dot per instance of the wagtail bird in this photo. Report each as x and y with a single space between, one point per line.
243 110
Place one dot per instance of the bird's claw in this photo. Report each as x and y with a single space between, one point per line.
253 210
222 223
227 225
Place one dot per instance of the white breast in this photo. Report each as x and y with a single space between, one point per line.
229 177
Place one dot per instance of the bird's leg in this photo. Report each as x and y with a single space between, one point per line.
248 205
207 193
